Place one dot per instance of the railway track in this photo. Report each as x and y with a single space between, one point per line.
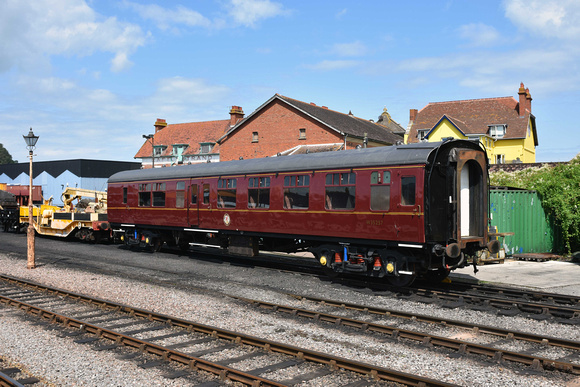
15 377
186 343
537 342
504 300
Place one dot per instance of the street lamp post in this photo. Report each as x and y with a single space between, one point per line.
152 138
31 140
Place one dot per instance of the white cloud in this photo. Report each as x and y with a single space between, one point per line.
550 18
349 49
479 34
341 13
170 18
249 12
329 65
32 32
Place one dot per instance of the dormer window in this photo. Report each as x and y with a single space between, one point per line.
178 149
205 147
158 150
497 131
421 134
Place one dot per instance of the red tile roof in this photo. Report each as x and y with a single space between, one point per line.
191 133
474 116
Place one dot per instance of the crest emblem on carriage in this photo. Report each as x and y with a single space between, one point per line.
227 219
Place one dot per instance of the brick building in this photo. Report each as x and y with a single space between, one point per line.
504 125
186 143
281 125
285 125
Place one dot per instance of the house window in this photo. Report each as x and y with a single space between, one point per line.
144 195
381 191
259 192
497 131
500 159
408 191
340 191
255 137
296 191
226 193
158 150
302 134
159 195
421 134
205 147
180 194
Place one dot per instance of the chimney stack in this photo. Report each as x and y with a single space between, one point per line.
528 100
522 100
236 115
413 114
160 124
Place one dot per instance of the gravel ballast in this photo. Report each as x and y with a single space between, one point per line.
54 358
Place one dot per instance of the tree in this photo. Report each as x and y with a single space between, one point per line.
5 157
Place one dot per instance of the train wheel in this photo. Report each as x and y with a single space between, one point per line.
157 243
402 280
437 276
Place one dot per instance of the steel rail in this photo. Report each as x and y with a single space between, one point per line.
461 346
7 381
193 362
480 328
335 362
525 306
556 298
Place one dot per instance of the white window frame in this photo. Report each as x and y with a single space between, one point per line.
497 131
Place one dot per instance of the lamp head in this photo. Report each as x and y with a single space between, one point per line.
30 140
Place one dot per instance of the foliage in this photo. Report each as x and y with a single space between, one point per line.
5 157
559 189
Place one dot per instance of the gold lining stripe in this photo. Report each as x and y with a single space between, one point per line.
257 211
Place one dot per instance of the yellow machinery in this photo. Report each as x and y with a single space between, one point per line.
85 220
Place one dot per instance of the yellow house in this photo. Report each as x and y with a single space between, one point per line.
504 126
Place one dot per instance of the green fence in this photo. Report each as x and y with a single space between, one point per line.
521 212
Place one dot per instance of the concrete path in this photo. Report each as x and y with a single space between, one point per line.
549 276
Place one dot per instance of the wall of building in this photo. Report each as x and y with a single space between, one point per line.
278 128
445 129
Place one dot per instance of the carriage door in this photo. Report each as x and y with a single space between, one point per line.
193 213
411 205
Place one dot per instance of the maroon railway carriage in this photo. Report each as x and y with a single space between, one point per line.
398 212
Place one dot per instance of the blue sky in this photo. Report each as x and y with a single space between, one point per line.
91 77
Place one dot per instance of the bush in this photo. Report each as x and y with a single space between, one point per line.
559 190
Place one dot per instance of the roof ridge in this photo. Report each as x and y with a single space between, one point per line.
471 100
321 107
198 122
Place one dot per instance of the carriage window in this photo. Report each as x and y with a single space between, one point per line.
380 191
180 194
408 191
144 195
159 195
226 193
206 194
340 191
124 195
259 192
296 191
193 190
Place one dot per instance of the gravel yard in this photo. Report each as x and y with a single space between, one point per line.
174 285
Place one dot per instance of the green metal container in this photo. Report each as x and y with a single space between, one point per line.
521 212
